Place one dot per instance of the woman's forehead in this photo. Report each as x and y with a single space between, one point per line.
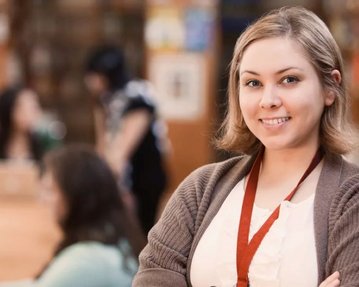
275 55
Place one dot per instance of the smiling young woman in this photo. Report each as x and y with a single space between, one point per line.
278 214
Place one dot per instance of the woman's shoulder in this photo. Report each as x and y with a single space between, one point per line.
205 178
217 168
202 183
346 200
83 247
346 166
86 264
344 174
139 95
349 190
91 255
89 250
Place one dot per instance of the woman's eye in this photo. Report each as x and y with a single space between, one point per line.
253 83
290 79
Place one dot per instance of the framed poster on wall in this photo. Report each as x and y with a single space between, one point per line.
179 81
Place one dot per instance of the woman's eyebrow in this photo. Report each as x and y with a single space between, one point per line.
281 71
249 72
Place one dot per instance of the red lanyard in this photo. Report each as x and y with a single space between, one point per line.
245 250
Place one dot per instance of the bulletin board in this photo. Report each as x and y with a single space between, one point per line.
181 47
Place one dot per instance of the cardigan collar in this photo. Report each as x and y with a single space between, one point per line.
329 181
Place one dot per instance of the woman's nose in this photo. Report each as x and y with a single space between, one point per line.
270 98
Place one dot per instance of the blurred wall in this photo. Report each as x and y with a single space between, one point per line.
189 42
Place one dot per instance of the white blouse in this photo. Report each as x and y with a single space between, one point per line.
286 256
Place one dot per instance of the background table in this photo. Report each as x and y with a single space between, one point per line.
28 236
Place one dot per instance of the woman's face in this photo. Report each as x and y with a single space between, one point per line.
96 84
26 111
54 196
281 97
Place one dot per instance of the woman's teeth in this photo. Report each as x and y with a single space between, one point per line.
273 122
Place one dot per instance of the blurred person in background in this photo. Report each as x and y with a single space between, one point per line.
19 113
128 132
100 243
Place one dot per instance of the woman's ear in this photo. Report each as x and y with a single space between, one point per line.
330 95
336 76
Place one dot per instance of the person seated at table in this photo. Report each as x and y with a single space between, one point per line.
100 241
19 113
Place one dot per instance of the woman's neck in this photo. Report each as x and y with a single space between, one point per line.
287 162
280 173
18 146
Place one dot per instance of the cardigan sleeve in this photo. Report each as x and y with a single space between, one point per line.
163 261
343 241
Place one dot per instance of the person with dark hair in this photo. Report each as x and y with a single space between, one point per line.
128 132
100 241
19 112
285 211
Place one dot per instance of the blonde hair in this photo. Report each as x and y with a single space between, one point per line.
313 35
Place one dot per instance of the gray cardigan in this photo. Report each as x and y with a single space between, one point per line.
166 260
